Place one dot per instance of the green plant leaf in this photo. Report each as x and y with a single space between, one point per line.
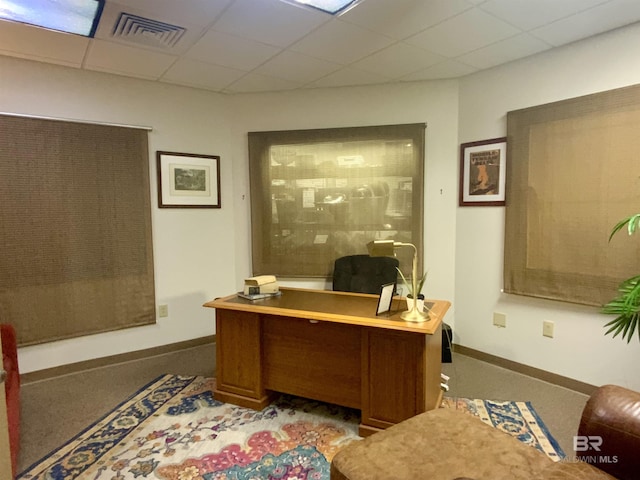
626 307
632 223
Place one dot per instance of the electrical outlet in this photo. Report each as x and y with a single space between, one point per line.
547 328
499 319
163 310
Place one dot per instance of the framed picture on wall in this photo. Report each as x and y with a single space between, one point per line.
188 180
483 172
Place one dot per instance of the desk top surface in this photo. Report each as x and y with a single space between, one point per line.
338 307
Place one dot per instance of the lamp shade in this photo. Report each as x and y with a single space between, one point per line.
381 248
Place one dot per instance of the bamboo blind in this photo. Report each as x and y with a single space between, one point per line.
76 229
573 173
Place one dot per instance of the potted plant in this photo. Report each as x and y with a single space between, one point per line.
410 294
626 306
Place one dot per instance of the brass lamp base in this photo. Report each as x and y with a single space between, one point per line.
415 316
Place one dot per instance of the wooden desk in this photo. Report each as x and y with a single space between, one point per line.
328 346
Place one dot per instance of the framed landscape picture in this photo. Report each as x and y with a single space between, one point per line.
188 180
483 172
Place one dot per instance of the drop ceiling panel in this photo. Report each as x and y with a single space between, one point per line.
608 16
504 51
124 60
399 60
464 33
201 75
341 42
402 18
297 67
348 76
231 51
527 15
25 41
446 69
255 82
271 22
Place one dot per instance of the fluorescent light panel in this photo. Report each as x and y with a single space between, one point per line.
329 6
71 16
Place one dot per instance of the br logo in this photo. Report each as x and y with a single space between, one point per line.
584 443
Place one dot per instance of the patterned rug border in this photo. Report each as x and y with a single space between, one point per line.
129 415
188 380
487 410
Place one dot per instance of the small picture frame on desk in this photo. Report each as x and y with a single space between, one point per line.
385 299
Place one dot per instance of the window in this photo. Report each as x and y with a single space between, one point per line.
317 195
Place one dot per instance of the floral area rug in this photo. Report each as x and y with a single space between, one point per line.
173 429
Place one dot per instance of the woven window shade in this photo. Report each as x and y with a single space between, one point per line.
317 195
573 174
76 229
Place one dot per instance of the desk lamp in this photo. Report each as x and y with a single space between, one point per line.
386 248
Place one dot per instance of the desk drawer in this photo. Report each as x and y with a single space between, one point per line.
318 360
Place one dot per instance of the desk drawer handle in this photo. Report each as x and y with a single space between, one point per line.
314 321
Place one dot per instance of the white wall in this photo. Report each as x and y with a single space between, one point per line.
433 103
579 349
194 249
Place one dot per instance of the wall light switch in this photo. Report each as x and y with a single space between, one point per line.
499 319
163 310
547 329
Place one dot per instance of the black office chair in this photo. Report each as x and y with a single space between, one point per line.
364 274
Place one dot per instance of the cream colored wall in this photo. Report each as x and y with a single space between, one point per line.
194 249
433 103
579 349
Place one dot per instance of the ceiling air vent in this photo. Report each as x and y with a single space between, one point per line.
146 31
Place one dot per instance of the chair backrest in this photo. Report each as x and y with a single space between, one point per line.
364 274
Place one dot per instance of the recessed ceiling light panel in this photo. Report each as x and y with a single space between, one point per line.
330 6
79 17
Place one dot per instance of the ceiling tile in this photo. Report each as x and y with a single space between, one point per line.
446 69
398 60
272 22
26 41
231 51
348 76
297 67
254 82
464 33
268 45
201 75
504 51
613 14
124 60
402 18
341 42
527 15
196 12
